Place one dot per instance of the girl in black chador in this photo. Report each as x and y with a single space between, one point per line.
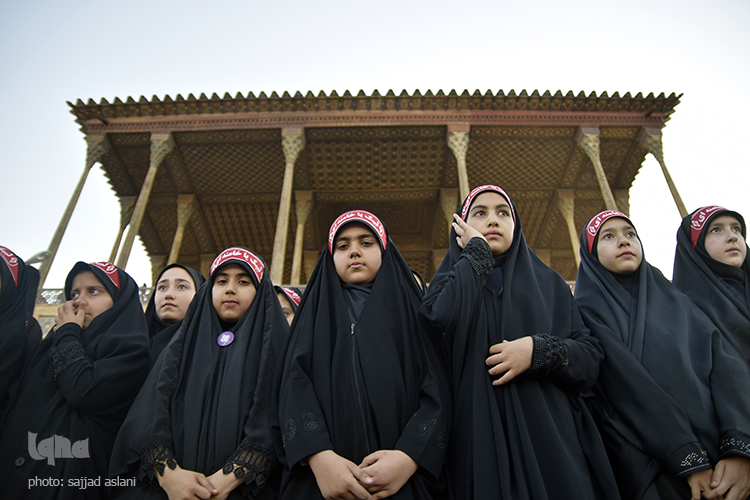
77 386
289 298
19 330
174 289
200 426
711 267
362 413
673 396
521 358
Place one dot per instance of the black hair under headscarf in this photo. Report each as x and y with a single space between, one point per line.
719 290
533 437
77 384
667 393
159 332
205 405
358 375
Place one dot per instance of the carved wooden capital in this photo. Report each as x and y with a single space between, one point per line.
292 145
96 149
458 142
184 209
160 148
303 209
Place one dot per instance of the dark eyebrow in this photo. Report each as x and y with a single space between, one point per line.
501 205
166 280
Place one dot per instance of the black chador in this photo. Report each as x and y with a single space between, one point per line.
160 332
19 331
204 406
671 399
719 290
532 438
76 389
358 375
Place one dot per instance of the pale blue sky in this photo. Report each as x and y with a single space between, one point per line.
52 52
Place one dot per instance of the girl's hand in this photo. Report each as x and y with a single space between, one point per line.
181 484
511 358
339 478
68 313
464 232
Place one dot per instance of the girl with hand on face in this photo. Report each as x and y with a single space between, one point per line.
78 384
672 395
174 289
521 359
711 267
362 414
200 426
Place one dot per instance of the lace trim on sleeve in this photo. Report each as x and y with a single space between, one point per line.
64 355
550 355
254 464
153 459
735 445
479 255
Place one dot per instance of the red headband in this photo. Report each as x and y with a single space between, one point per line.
698 220
592 228
292 295
358 216
241 255
110 270
480 189
12 261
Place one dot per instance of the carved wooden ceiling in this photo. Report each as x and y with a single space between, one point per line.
386 154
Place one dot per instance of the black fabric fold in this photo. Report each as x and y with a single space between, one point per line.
665 390
77 385
362 381
533 437
206 401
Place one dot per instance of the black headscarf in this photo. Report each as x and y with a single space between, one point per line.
77 384
667 390
205 405
358 375
533 437
718 289
19 282
160 332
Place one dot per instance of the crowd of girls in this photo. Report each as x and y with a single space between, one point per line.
493 382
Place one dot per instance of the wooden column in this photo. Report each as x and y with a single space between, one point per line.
622 196
588 139
650 138
158 262
310 258
545 255
161 145
206 260
566 204
293 141
126 212
458 142
449 203
303 205
184 211
97 147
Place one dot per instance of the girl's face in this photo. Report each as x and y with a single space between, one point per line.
174 291
286 306
491 215
724 241
232 293
89 295
356 254
619 248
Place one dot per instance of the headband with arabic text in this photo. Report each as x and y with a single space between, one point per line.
699 219
293 296
487 187
241 255
362 216
11 261
110 270
592 228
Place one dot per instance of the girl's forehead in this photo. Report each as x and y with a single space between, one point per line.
724 219
353 229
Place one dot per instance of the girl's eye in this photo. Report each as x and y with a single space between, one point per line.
74 295
479 213
161 288
93 291
714 229
182 287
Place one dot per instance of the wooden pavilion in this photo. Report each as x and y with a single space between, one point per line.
197 175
